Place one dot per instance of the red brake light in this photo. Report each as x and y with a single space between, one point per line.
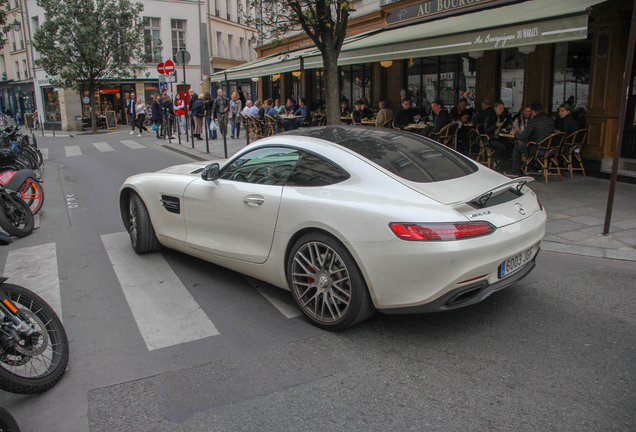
441 231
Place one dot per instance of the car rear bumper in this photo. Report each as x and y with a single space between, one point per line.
466 295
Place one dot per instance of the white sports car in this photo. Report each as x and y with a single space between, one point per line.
349 219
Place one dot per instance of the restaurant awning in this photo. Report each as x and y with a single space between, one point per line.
533 22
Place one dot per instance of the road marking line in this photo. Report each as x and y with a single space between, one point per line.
132 144
35 268
72 151
164 310
45 153
280 299
103 147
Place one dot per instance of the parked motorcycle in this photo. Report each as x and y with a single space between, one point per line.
34 349
7 422
15 214
26 186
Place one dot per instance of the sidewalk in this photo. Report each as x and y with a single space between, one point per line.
576 207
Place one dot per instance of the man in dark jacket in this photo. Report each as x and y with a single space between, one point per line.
441 118
539 128
220 109
486 111
405 115
493 123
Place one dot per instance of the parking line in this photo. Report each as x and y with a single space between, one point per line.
45 153
164 310
35 268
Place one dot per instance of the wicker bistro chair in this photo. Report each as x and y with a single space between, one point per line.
572 147
318 119
474 141
547 156
485 151
447 135
270 127
388 124
256 130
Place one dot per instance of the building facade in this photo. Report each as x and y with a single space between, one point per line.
518 51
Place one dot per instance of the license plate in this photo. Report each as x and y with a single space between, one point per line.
515 262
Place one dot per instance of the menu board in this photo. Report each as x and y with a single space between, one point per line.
111 122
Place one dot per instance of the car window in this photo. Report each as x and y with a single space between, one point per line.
405 154
313 170
268 165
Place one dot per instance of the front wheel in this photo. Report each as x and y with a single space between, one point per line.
15 216
326 283
32 193
140 229
33 366
7 422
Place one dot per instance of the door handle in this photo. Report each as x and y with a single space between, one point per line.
254 200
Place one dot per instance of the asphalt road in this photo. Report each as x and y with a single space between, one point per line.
554 352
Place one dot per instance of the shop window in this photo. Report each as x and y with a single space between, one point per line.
152 32
512 71
51 104
571 75
356 83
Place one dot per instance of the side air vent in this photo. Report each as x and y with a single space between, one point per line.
172 204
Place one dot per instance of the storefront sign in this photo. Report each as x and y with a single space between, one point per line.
498 40
86 100
434 7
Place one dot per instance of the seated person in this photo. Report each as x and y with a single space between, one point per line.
280 109
521 120
253 111
492 126
539 128
441 118
460 112
303 111
248 105
405 115
291 106
344 109
385 114
486 111
261 110
361 112
270 110
367 112
565 122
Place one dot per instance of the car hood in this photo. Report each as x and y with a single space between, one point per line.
190 167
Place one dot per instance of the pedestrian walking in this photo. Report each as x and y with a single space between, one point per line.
221 109
179 111
168 115
131 111
209 120
156 115
197 115
140 111
235 114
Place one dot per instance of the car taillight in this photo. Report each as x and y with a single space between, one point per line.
441 231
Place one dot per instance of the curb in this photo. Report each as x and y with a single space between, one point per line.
624 255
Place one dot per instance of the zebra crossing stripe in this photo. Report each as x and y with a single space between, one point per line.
164 310
45 153
132 144
103 147
35 268
72 151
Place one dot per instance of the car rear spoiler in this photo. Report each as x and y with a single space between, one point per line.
519 181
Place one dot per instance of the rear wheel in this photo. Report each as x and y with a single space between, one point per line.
16 217
32 193
142 234
7 422
326 283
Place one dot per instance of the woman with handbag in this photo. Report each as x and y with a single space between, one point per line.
207 111
140 111
197 115
236 106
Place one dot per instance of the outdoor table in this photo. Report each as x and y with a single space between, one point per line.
290 117
368 122
507 135
416 126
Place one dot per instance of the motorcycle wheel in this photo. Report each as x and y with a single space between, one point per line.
32 193
16 217
7 422
34 369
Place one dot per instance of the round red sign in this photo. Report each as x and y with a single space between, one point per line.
160 68
168 67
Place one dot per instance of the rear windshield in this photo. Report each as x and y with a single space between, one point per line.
405 154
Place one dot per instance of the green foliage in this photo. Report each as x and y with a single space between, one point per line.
4 6
84 42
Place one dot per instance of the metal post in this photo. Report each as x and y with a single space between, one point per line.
621 121
42 127
169 128
207 133
179 131
192 130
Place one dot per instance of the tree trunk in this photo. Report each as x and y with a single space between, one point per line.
332 86
91 95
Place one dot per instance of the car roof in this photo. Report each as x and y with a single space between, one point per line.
405 154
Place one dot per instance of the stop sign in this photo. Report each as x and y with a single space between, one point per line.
168 67
161 69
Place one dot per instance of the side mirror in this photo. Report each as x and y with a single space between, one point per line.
210 172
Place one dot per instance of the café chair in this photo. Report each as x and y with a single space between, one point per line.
547 156
485 151
573 146
474 141
256 130
388 124
447 135
269 125
318 120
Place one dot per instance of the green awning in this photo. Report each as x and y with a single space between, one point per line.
534 22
